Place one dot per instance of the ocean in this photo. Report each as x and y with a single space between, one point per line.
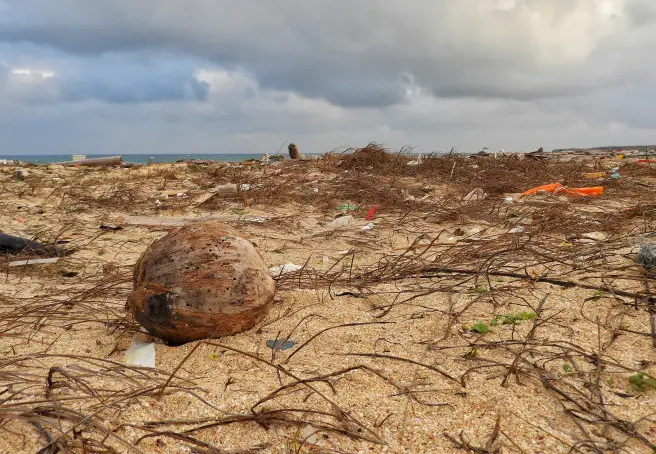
134 158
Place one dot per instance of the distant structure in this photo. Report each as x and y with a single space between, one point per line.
293 151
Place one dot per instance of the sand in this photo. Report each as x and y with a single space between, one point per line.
404 371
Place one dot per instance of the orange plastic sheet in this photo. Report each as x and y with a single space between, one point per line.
558 188
546 187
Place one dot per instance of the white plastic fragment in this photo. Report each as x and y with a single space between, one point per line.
309 435
33 261
341 221
284 269
141 352
474 194
369 226
518 229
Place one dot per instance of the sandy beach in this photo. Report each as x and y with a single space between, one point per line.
435 310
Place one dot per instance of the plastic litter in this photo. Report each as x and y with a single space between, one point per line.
344 207
369 226
33 262
595 236
474 194
558 188
141 352
20 174
370 213
14 244
280 344
647 256
309 435
341 221
284 269
593 175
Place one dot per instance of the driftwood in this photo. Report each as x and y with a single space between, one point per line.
107 161
173 223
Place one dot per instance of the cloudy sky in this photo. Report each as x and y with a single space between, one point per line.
224 76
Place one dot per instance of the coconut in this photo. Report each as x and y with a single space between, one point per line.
203 280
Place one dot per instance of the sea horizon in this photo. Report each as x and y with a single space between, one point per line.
135 158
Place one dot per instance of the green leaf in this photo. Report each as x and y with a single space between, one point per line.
511 319
599 294
640 382
478 290
480 328
567 368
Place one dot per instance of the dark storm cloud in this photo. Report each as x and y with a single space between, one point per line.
510 72
350 53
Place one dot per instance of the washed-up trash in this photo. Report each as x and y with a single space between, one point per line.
593 175
546 188
284 269
341 221
647 256
20 174
14 244
595 236
616 176
245 187
141 352
369 226
474 194
33 262
203 280
349 293
309 435
519 229
230 188
162 197
582 192
558 188
224 188
110 227
508 200
640 162
370 213
344 207
280 344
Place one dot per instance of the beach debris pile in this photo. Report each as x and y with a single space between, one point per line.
203 280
